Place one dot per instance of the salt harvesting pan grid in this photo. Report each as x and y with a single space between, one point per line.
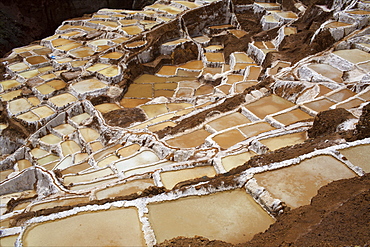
190 123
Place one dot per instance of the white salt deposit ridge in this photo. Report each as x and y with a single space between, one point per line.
100 135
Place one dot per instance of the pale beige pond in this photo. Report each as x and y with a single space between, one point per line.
97 67
19 105
89 229
111 71
8 241
171 178
43 111
293 116
353 55
232 161
89 134
228 121
142 158
89 85
70 147
189 84
241 86
228 138
107 160
63 99
341 95
8 84
297 184
78 119
125 189
210 216
90 176
275 143
358 156
64 129
328 71
268 105
189 140
154 110
51 139
319 105
82 52
255 129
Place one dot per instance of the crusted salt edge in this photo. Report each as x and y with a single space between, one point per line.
10 231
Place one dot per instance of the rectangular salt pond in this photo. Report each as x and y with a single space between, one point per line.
277 142
255 129
171 178
125 189
60 202
297 184
228 121
232 161
228 138
88 176
113 227
358 156
189 140
211 216
268 105
142 158
293 116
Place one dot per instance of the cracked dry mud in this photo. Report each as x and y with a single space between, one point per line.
190 123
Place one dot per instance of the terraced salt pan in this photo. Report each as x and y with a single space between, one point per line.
62 100
319 105
358 156
229 138
90 176
236 222
296 185
231 161
189 140
274 143
89 85
125 189
255 129
293 116
142 158
268 105
228 121
82 230
171 178
59 202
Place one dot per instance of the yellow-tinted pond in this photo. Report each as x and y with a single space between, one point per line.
358 156
171 178
277 142
102 228
232 161
296 185
211 216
